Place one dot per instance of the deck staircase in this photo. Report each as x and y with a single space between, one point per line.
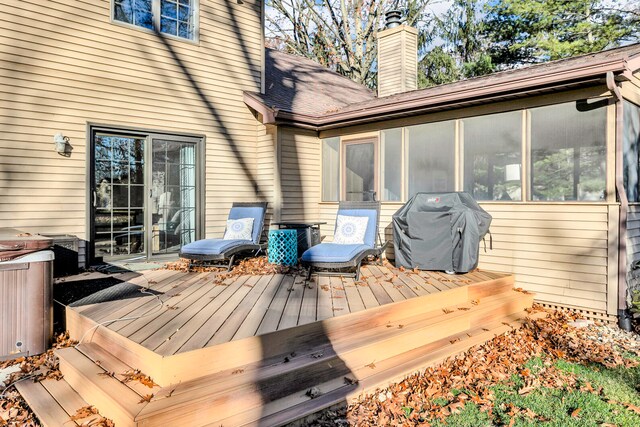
356 353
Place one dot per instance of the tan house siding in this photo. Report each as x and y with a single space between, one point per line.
266 167
633 234
397 60
63 65
300 181
558 251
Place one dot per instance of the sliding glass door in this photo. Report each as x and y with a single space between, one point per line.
143 194
173 195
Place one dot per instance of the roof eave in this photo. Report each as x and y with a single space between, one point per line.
516 86
520 85
268 114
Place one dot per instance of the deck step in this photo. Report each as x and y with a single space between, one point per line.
209 396
336 391
109 363
54 402
96 385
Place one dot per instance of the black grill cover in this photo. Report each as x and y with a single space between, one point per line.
439 231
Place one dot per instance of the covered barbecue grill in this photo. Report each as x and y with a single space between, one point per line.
439 231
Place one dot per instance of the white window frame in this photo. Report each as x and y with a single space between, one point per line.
155 11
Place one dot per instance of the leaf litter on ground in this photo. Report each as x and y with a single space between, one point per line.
443 390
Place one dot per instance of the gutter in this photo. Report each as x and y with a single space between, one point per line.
624 318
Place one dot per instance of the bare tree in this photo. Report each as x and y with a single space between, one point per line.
339 34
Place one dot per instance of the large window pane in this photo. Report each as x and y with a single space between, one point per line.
430 158
391 164
493 156
136 12
176 18
631 146
330 169
360 171
568 151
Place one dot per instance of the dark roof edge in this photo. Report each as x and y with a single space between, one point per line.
421 101
268 114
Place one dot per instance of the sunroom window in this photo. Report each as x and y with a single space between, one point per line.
631 150
391 165
568 151
430 157
172 17
493 156
331 169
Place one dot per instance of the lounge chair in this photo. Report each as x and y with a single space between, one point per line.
335 256
217 251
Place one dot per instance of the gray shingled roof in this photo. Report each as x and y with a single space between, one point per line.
298 84
303 93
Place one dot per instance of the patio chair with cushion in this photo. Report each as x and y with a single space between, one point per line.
242 234
354 240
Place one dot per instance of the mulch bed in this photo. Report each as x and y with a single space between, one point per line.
415 400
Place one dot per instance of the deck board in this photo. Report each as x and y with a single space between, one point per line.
203 312
233 323
196 320
274 312
309 306
338 297
253 320
325 305
210 327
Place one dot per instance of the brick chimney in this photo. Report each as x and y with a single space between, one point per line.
397 56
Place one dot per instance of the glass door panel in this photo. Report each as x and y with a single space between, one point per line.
173 195
118 205
359 172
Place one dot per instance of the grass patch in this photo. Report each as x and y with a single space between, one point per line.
619 384
583 396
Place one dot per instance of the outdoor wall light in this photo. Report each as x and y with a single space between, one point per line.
61 143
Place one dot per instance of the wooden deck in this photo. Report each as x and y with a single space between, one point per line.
264 341
191 312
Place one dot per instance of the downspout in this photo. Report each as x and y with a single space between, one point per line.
624 318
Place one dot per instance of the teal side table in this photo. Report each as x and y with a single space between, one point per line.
283 247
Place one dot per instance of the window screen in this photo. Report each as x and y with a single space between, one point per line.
430 158
391 165
493 156
331 169
568 151
631 143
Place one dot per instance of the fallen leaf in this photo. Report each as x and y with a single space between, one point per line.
146 398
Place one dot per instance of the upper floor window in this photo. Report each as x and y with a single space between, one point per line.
172 17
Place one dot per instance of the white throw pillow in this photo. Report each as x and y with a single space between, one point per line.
350 230
239 229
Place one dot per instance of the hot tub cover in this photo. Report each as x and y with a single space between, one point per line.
439 231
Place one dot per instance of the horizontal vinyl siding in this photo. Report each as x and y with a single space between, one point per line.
63 64
265 163
633 234
558 251
300 176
